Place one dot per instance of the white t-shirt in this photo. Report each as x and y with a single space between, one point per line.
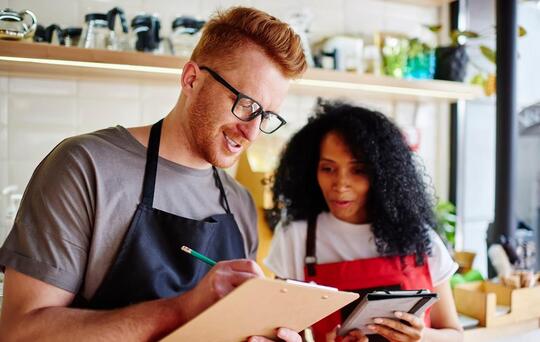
341 241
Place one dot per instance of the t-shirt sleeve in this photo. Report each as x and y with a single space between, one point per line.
441 264
51 234
281 259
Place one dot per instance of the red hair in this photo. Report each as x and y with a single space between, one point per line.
237 27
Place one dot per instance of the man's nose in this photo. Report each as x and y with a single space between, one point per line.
250 129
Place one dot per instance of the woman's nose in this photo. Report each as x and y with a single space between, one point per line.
341 182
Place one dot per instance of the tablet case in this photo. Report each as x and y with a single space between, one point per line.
383 304
260 306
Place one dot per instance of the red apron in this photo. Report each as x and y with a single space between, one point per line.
362 276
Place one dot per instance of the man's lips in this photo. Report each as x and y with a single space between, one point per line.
232 145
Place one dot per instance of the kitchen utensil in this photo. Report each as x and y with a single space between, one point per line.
185 35
17 25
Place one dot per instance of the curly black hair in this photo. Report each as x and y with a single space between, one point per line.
399 205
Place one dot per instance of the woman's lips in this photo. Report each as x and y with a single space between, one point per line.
341 204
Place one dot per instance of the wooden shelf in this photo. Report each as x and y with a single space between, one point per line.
44 60
423 2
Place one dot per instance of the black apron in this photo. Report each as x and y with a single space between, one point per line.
150 264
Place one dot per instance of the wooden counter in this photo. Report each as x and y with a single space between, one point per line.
526 331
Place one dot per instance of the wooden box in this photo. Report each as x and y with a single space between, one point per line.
480 300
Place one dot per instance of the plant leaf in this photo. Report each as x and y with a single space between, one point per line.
469 34
478 79
522 31
434 28
488 53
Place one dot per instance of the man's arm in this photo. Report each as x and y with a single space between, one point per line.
33 310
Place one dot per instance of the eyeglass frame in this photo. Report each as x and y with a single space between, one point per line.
239 95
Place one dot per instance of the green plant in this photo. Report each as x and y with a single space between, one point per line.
445 214
455 35
482 77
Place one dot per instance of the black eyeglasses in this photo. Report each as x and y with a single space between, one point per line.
246 109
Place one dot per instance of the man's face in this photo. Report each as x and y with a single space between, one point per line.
218 136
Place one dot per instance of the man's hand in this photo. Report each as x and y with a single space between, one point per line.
224 277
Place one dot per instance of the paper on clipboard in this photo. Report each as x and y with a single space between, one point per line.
258 307
384 305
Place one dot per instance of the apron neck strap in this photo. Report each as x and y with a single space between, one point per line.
152 154
223 200
311 253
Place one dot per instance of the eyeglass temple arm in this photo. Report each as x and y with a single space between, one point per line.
220 79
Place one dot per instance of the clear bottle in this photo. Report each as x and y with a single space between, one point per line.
186 32
95 32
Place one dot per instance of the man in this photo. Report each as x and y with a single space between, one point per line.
95 249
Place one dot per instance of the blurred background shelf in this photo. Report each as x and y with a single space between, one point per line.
31 59
422 2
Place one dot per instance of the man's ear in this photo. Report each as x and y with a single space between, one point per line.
189 76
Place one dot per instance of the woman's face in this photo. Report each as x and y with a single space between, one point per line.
343 180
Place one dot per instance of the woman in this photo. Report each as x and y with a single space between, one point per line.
359 218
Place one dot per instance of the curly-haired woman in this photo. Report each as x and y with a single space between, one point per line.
359 218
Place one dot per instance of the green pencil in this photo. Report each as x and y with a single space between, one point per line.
198 255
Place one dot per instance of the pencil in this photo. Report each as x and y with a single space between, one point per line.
198 255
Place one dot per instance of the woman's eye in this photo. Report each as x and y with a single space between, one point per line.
326 169
359 170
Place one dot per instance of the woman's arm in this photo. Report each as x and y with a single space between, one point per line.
444 319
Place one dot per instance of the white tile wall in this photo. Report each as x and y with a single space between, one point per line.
3 84
152 110
366 19
28 85
3 201
61 12
96 89
3 109
32 145
161 91
41 111
3 145
94 115
19 173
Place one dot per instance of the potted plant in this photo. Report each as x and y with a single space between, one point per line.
484 78
451 61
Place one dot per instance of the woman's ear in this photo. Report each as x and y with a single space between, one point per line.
190 72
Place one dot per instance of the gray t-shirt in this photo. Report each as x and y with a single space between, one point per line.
80 201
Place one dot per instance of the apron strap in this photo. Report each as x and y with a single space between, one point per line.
223 200
311 254
152 154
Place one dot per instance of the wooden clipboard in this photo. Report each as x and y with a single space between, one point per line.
258 307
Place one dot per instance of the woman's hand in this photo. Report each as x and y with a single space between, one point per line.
352 336
283 334
395 330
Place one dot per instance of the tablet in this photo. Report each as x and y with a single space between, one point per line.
383 304
258 307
